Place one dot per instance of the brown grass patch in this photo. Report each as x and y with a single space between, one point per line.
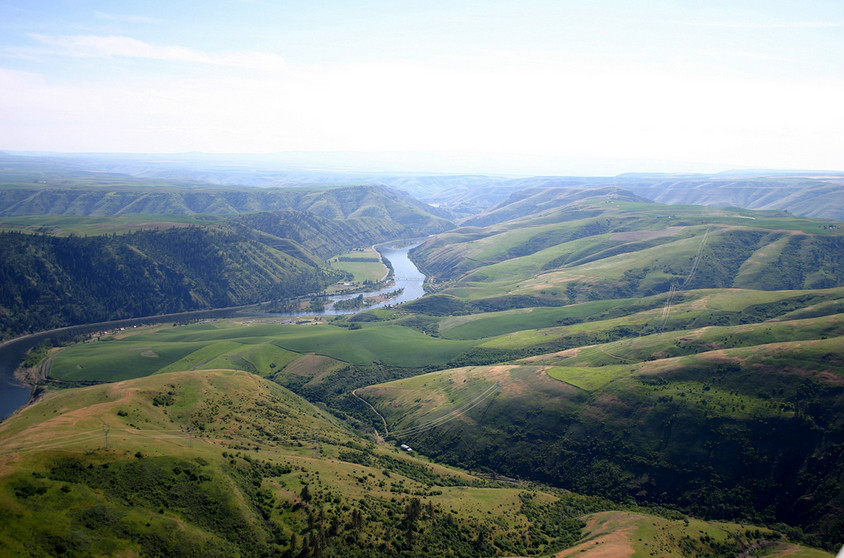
312 365
701 303
608 535
568 353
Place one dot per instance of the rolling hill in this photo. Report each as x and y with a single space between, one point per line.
604 247
222 463
190 468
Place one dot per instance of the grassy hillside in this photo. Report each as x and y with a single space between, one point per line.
183 464
636 396
286 481
810 194
65 225
327 237
102 198
640 534
678 355
807 193
603 248
750 432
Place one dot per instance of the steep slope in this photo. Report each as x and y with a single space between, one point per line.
49 282
52 281
809 194
328 236
620 353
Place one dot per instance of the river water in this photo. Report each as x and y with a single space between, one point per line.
405 274
14 395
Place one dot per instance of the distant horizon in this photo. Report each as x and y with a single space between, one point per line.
421 163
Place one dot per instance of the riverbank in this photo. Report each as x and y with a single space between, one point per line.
14 394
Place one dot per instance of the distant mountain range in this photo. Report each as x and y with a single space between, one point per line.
799 192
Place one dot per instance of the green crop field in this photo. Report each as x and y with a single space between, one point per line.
254 347
589 379
491 324
118 360
361 270
394 345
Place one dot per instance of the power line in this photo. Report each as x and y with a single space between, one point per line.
673 290
418 429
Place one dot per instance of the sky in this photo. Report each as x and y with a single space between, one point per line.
528 86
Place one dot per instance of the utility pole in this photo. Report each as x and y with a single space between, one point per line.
105 434
190 438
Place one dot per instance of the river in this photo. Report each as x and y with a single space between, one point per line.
14 395
406 276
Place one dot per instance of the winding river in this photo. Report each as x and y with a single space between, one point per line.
406 276
14 395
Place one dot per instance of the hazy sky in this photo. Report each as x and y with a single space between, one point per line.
522 85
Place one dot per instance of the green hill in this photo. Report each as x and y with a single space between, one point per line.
192 468
224 463
602 248
94 197
751 432
618 402
672 355
806 193
325 237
